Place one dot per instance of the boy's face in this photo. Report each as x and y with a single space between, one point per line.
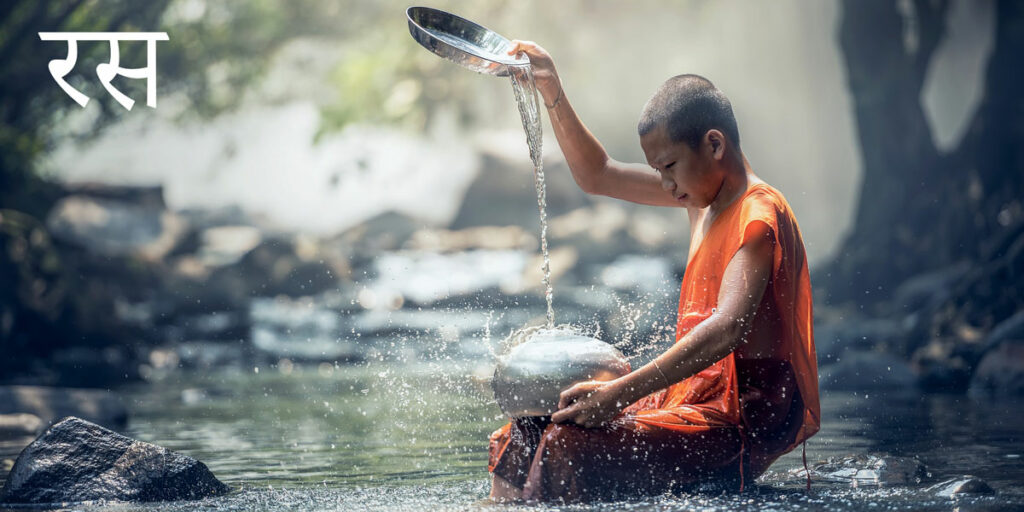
691 177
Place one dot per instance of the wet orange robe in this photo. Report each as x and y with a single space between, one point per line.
728 422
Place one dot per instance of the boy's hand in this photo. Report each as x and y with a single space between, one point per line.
544 73
589 404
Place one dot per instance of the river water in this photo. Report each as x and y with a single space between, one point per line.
413 436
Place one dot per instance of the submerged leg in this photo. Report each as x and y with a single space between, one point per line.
624 460
511 450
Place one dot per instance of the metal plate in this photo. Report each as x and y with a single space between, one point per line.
462 41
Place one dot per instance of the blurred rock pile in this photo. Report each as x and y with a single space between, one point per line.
112 286
958 329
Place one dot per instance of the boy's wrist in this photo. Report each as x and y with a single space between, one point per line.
640 383
558 99
626 390
551 93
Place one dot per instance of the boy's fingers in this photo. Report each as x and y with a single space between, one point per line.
566 397
564 401
562 415
521 46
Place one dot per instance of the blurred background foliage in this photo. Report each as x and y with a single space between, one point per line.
220 51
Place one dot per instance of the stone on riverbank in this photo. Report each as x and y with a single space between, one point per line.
1011 329
50 404
1001 371
855 333
76 461
116 228
868 371
19 425
277 266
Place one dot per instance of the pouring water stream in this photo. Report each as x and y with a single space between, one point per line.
525 90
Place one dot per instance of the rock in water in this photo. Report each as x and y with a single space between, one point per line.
76 461
966 484
867 469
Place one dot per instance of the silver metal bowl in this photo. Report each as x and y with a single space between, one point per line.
529 379
462 41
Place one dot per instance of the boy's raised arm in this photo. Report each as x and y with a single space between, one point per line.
594 171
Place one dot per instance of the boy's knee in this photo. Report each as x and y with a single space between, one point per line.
499 434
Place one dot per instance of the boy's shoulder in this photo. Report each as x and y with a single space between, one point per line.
761 196
765 203
765 189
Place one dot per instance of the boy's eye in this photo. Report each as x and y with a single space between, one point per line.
670 165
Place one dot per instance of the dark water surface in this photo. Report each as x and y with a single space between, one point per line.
413 437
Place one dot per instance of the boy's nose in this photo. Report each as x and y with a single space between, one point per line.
668 185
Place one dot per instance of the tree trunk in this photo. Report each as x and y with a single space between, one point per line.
920 209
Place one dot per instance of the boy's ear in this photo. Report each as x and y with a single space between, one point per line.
715 142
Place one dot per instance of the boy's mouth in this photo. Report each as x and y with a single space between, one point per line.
680 197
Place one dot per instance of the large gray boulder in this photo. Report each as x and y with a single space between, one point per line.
503 193
276 266
928 290
77 461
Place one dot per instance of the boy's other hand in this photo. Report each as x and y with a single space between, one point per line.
544 73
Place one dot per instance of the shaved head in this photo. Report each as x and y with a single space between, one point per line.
689 106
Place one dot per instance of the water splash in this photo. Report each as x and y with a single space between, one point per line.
525 90
524 334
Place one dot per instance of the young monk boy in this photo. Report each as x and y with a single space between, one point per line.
739 388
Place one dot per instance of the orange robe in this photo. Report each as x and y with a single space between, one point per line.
727 423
